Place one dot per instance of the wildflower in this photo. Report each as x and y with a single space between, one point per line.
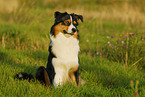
108 42
131 34
136 93
144 37
87 40
140 68
98 41
122 42
108 37
97 53
144 50
112 36
131 81
92 35
125 36
120 55
110 45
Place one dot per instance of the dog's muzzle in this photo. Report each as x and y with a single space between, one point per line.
74 30
69 33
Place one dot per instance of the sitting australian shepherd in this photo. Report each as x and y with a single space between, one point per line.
63 61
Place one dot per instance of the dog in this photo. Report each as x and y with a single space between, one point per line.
63 60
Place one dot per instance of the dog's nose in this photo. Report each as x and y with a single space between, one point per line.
74 30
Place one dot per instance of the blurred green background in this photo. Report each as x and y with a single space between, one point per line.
128 11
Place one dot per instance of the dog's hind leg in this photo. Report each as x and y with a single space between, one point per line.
42 76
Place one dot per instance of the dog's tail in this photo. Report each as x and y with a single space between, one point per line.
41 75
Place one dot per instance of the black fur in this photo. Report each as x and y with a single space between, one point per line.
40 75
60 17
23 75
77 76
50 68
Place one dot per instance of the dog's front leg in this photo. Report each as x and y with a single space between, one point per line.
74 75
60 71
59 76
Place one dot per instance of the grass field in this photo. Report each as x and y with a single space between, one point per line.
112 43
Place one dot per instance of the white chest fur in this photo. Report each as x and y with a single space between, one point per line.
66 51
65 48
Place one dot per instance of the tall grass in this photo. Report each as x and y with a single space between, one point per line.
127 11
127 49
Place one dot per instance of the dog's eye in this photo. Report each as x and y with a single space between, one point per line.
67 23
75 23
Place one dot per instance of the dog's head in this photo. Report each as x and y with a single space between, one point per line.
66 23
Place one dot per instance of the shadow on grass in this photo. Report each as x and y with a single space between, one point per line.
38 55
8 60
119 78
6 57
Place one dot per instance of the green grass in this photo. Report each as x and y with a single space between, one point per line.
103 77
109 67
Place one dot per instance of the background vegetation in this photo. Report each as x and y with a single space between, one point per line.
112 42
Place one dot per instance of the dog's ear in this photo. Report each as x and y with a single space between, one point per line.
58 16
79 17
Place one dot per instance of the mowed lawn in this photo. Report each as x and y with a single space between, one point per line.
112 51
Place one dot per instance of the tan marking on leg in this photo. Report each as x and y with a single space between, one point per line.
46 78
72 76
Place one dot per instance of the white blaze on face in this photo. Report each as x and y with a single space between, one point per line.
71 26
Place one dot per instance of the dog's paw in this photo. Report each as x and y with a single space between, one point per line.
19 75
24 76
